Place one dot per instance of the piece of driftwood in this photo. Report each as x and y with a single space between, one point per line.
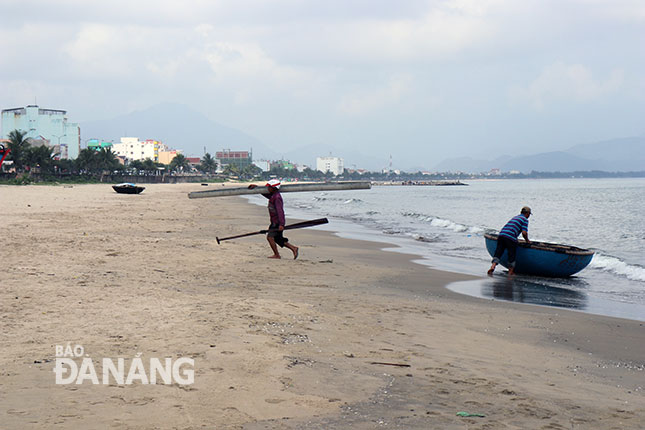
390 364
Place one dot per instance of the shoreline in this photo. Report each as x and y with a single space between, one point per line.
565 293
281 344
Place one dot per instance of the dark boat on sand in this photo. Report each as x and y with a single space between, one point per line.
128 188
543 258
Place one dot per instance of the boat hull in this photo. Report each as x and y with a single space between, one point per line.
544 259
128 189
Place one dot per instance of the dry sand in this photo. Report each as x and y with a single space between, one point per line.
279 344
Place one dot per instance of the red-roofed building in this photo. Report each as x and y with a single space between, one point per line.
194 161
237 158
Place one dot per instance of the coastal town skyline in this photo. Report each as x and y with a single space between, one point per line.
435 79
205 137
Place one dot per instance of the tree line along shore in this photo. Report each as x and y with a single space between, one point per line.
40 164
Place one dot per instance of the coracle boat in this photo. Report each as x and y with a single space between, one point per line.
543 258
128 188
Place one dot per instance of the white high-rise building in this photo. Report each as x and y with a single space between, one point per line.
334 165
133 149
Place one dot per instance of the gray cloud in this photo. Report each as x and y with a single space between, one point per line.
424 79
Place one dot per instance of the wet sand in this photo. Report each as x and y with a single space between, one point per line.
280 344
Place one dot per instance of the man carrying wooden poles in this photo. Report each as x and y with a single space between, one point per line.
276 211
276 214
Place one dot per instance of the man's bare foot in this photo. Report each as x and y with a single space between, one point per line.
511 272
274 256
295 253
490 271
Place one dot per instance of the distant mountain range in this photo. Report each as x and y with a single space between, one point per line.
181 127
616 155
177 126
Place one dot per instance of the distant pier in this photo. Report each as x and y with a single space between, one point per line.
419 183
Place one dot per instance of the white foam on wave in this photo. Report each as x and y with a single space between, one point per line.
618 266
445 223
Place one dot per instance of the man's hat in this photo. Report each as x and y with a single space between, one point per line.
274 183
526 210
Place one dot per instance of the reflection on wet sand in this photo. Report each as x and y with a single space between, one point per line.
570 293
530 290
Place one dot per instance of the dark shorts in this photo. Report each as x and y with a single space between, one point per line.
504 243
277 235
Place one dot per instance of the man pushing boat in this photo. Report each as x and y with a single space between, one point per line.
507 239
276 214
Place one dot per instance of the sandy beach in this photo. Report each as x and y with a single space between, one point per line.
347 336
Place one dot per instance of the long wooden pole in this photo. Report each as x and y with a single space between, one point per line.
287 188
303 224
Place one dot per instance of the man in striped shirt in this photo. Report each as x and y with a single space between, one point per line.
507 239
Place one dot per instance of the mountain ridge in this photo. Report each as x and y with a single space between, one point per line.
614 155
181 127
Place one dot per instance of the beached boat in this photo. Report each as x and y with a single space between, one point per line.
543 258
128 188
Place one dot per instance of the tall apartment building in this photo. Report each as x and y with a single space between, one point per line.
44 124
334 165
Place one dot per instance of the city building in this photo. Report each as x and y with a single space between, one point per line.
265 165
236 158
166 156
59 151
495 172
334 165
96 144
194 162
48 124
134 149
282 164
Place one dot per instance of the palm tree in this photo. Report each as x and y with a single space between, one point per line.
106 160
232 170
19 147
41 157
136 165
149 166
87 160
251 171
179 163
208 164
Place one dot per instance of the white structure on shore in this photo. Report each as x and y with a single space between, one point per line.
134 149
265 165
334 165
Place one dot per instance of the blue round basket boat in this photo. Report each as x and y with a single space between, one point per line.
543 258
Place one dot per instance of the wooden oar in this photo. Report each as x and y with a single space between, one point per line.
302 224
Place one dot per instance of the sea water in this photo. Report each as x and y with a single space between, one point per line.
445 225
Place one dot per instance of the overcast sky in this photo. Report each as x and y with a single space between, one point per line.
421 80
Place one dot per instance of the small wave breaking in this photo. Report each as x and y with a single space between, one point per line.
618 267
445 223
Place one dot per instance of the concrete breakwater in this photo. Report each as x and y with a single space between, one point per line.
418 183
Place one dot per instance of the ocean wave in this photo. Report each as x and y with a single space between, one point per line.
392 231
444 223
343 200
447 224
423 217
618 267
426 239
